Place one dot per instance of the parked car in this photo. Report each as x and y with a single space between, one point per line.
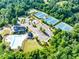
30 35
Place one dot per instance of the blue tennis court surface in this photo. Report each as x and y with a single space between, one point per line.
51 20
64 26
40 14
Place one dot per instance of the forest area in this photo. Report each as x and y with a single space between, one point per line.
63 45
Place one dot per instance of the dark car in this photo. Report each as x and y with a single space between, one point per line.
30 35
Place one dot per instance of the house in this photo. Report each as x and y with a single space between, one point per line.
16 41
19 29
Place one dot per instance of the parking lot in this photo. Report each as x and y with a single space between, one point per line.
36 31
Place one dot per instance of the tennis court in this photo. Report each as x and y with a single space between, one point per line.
64 26
40 15
51 20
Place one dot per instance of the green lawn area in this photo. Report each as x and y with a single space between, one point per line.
1 50
5 31
31 45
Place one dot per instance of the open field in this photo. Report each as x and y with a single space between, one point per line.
31 45
5 31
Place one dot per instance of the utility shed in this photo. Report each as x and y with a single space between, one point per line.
64 26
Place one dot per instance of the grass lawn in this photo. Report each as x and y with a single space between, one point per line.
31 45
5 31
1 50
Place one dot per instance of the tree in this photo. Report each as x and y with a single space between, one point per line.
76 28
1 38
19 10
14 21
